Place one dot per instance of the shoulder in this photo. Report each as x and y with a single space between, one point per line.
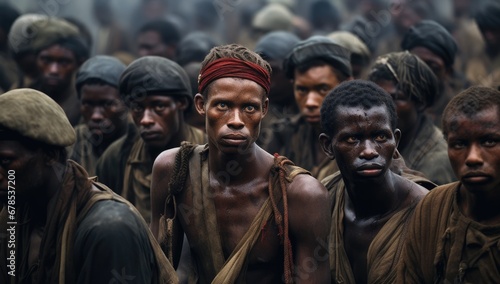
306 186
196 135
109 219
166 159
415 191
440 195
115 149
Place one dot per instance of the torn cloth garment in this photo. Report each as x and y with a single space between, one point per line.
444 246
384 251
205 241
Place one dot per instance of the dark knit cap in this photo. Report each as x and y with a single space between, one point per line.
153 74
488 15
105 68
318 47
433 36
276 45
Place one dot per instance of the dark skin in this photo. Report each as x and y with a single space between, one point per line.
36 184
364 146
310 89
474 151
58 66
234 109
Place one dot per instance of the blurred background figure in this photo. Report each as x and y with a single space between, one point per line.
160 38
8 67
111 37
360 54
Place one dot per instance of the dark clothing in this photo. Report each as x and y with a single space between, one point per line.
83 151
444 246
428 154
132 164
91 236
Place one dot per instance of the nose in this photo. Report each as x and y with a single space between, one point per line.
147 118
235 122
369 151
313 101
54 68
97 114
474 157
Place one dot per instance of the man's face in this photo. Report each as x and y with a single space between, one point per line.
364 143
150 43
234 109
311 88
103 111
432 60
157 118
58 66
21 171
474 150
406 109
492 39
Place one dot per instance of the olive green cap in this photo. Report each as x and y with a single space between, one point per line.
34 115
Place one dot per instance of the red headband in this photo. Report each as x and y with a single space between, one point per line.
232 67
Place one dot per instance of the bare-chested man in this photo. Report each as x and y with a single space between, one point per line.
249 217
371 204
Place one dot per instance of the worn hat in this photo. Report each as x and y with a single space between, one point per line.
154 74
194 47
276 45
433 36
488 15
273 17
24 30
105 68
318 47
352 43
34 115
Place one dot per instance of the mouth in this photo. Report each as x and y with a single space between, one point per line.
234 139
52 81
150 135
370 170
313 118
475 178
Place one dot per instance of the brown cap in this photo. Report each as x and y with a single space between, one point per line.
36 116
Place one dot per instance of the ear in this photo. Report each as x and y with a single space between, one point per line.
182 103
326 143
397 136
265 106
199 103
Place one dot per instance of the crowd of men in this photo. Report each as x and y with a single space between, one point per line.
320 149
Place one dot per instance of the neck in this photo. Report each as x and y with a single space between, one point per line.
41 206
409 134
480 207
239 167
373 198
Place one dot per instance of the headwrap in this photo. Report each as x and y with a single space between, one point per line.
235 68
153 74
318 47
353 43
24 30
194 47
413 77
433 36
273 17
488 15
102 67
276 45
53 31
362 28
34 115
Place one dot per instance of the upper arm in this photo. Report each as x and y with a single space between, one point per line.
161 175
309 218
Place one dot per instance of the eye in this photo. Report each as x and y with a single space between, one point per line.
381 138
136 108
489 143
351 139
456 145
160 108
250 108
222 106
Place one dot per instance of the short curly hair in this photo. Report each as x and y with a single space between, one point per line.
468 103
355 93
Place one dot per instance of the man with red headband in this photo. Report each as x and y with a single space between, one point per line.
248 216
